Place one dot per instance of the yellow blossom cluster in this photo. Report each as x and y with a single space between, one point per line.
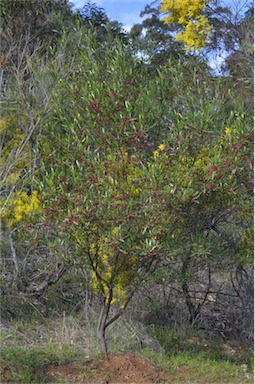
19 207
231 134
188 14
228 131
112 272
180 10
160 149
14 162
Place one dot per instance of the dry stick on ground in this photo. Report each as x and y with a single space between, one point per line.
51 278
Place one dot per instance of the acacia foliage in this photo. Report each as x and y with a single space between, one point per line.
99 142
131 166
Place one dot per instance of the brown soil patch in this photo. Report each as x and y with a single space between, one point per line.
114 369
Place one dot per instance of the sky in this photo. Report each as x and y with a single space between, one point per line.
125 11
128 12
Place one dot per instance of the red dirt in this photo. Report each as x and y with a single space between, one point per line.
114 369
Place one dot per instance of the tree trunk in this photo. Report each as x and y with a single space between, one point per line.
14 258
193 311
101 327
102 341
104 322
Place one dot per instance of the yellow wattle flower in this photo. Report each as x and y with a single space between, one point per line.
161 147
228 131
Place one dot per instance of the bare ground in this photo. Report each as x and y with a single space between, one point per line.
114 369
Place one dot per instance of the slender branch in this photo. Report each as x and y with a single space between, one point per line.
14 255
115 317
51 278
